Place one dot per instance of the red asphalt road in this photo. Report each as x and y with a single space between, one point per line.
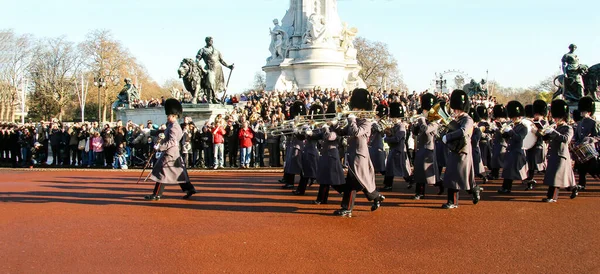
97 222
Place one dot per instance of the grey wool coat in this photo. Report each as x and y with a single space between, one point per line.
293 163
170 167
536 156
459 166
559 172
498 149
426 168
515 162
485 143
477 162
376 150
398 164
330 170
310 157
359 161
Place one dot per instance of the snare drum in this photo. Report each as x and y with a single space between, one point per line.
584 152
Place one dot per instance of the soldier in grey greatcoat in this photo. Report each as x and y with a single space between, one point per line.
559 172
294 147
329 171
170 168
459 173
398 163
426 169
536 156
498 142
485 143
587 130
310 159
476 151
361 175
376 150
515 162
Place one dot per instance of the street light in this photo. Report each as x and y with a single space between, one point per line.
100 83
441 83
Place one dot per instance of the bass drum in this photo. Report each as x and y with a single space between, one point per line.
530 138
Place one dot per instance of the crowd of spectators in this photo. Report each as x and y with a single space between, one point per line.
240 138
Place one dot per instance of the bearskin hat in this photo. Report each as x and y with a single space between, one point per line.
361 99
515 109
297 108
586 104
382 110
173 107
396 110
499 111
331 109
316 109
482 112
559 109
576 115
460 100
474 115
540 107
428 100
529 111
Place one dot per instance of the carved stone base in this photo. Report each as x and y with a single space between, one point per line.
199 113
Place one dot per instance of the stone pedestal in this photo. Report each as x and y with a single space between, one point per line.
199 113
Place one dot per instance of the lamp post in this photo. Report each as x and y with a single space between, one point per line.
441 83
100 83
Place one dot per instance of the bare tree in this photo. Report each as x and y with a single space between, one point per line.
54 68
378 65
260 83
15 56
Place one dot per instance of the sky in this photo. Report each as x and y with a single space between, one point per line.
519 42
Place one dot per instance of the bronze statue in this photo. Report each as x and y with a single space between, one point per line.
128 95
577 80
473 88
213 70
193 81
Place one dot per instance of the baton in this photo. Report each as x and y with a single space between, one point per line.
226 86
145 167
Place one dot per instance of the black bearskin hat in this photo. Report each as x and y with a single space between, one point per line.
576 115
460 100
499 111
587 104
515 109
474 115
540 107
428 100
361 99
382 110
529 111
173 107
482 112
559 109
297 108
396 110
331 109
316 109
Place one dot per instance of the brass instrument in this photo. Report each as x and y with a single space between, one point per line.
548 126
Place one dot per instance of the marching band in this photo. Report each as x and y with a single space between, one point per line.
453 147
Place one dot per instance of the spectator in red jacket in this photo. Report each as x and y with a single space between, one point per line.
218 141
245 135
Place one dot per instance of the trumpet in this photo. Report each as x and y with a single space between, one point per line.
548 126
505 127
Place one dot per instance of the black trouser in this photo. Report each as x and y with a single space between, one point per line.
323 194
109 154
495 172
208 156
259 154
303 184
552 193
507 184
420 189
232 153
389 180
289 178
75 154
453 196
274 154
55 155
185 187
349 192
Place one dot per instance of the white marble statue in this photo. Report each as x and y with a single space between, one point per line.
316 31
347 40
279 39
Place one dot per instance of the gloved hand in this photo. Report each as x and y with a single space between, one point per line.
444 139
309 132
351 116
334 122
507 129
156 146
548 131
